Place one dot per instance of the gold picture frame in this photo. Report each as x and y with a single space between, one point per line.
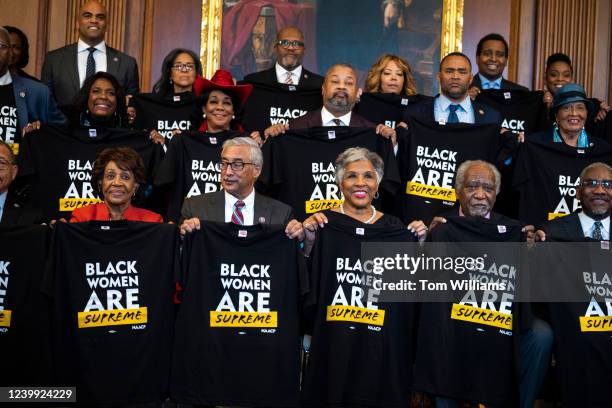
212 13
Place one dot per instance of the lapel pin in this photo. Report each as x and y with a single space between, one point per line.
16 205
115 59
481 111
305 76
22 94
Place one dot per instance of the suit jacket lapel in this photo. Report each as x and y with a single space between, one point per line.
11 211
72 68
20 93
261 210
575 227
217 206
112 62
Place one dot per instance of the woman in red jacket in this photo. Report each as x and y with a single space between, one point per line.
117 173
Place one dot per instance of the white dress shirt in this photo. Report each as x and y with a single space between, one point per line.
465 113
248 211
2 203
327 119
6 79
82 54
588 226
281 74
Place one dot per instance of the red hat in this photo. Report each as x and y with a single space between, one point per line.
223 81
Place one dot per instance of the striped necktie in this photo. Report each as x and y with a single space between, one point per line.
237 217
289 78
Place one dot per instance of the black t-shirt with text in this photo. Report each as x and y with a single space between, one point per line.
9 127
583 330
299 166
24 316
522 111
164 114
191 166
429 158
466 349
270 104
547 176
58 162
385 108
111 286
237 332
362 348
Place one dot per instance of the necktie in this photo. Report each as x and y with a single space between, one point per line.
338 122
597 231
452 113
289 78
237 217
91 63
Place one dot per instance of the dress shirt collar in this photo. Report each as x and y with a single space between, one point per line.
6 79
587 225
82 46
490 84
444 102
249 201
327 118
281 74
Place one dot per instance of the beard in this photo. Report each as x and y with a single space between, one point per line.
341 104
456 93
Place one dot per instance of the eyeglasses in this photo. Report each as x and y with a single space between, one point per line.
290 43
5 164
183 67
592 184
236 166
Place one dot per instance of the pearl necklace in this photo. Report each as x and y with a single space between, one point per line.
369 220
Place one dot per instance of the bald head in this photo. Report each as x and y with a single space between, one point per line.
91 22
289 48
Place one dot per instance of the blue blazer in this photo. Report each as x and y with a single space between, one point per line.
34 102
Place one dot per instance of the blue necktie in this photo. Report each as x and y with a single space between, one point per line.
452 115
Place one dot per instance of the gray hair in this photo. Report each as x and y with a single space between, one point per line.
592 166
5 31
460 178
256 155
353 154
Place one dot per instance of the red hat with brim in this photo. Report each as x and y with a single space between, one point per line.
222 80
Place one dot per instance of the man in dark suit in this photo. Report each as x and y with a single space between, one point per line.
22 100
289 51
340 93
453 104
13 208
595 195
238 202
492 58
65 69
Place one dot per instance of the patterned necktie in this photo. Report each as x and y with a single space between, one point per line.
597 231
91 63
452 115
237 217
338 122
289 78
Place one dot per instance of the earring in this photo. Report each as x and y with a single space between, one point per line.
204 115
376 195
233 117
171 81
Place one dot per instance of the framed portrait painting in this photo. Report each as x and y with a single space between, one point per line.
239 35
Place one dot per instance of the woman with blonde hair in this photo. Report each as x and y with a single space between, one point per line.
390 74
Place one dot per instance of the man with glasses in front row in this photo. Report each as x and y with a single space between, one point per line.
238 202
289 51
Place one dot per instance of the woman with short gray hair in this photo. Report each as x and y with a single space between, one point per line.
358 174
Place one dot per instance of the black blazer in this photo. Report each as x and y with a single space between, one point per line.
313 119
60 72
16 212
268 77
424 111
211 207
505 84
566 228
